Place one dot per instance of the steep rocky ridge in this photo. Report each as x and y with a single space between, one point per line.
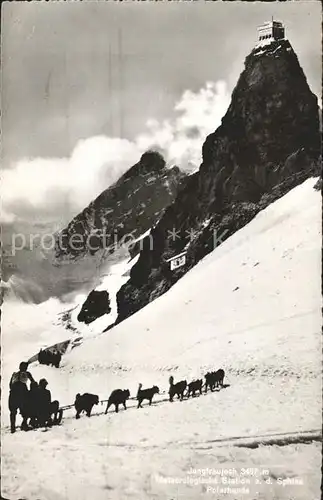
269 141
122 212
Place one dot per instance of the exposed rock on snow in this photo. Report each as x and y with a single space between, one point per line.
96 304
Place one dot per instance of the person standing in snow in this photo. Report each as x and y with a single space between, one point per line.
32 407
18 395
44 400
46 407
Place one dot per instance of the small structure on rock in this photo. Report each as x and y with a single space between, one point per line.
177 261
270 31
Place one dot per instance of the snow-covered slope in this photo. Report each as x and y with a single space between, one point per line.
251 295
109 281
52 322
251 307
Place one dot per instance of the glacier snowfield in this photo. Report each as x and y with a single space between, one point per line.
251 307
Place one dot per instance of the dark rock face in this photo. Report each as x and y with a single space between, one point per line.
268 142
124 211
96 305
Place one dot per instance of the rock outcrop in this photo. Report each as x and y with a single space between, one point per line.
96 305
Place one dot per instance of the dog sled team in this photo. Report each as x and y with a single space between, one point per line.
38 410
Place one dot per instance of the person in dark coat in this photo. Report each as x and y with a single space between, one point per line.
44 401
56 358
40 357
33 404
45 357
18 395
47 407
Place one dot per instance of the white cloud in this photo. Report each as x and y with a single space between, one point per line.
61 187
199 114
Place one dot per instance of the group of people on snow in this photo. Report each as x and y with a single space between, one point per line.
50 358
35 404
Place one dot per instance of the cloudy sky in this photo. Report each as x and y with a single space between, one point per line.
87 85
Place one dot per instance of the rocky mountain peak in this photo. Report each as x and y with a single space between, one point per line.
151 162
268 142
272 115
126 209
152 159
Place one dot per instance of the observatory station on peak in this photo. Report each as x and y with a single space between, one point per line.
271 31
